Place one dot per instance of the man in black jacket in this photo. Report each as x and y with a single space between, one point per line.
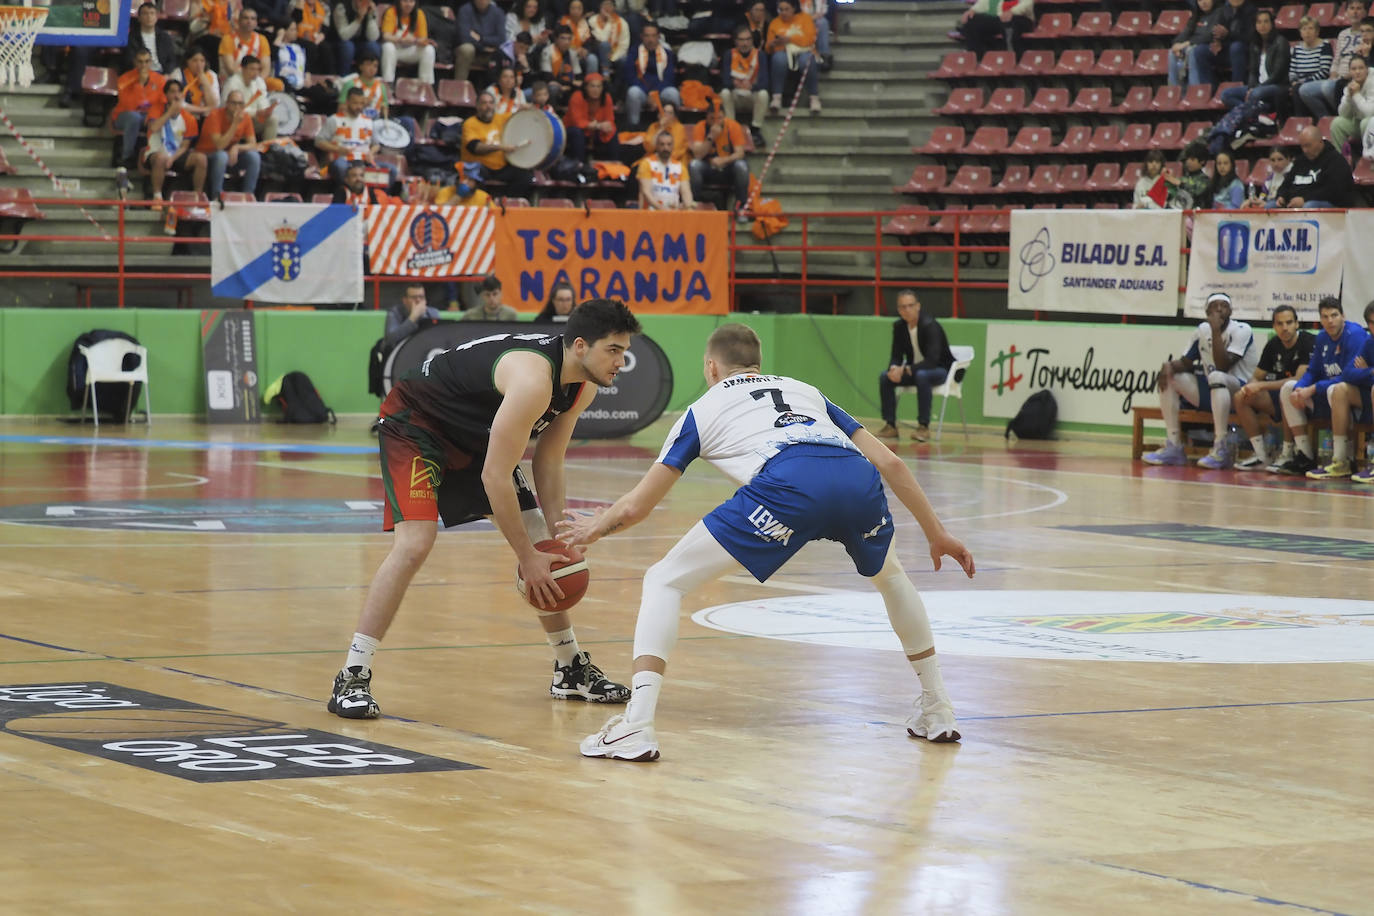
159 42
920 357
1320 176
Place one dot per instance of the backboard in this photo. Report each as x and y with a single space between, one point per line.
99 23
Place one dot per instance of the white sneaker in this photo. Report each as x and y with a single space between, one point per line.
619 740
933 719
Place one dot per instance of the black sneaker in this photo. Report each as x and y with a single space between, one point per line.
1297 466
352 697
582 680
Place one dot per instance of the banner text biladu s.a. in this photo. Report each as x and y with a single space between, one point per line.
656 262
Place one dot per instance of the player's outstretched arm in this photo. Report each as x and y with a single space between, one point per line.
631 509
903 483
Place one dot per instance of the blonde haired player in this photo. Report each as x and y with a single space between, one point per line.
807 471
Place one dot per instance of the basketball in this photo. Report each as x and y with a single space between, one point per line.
572 576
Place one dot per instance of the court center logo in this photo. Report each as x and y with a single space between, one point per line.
1037 260
1082 625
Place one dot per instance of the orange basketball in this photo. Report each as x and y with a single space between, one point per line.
571 574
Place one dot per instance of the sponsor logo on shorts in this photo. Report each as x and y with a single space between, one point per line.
768 527
876 529
424 477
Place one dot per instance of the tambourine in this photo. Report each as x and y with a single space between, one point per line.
287 113
391 134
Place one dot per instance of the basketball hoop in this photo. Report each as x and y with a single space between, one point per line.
19 26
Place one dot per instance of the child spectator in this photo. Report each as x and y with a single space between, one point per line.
1225 191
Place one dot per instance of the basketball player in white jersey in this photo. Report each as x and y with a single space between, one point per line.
807 471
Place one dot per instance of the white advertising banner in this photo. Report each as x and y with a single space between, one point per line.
1097 373
1263 259
1357 286
1114 262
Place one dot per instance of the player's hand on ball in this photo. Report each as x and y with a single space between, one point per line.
946 545
541 589
580 527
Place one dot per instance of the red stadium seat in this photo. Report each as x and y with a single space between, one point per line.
1137 101
416 93
1114 62
995 64
1092 100
926 179
1091 26
1151 62
906 222
17 203
1130 24
1076 142
324 197
283 197
176 10
971 179
956 65
1014 180
987 141
1006 102
1168 135
961 101
236 197
311 125
943 141
1073 63
191 206
457 94
1044 180
517 203
1051 27
1129 176
1260 170
1050 100
1073 179
1288 17
599 203
1167 99
1196 131
981 220
1288 133
1105 139
1243 169
1103 177
1135 137
100 81
1170 22
557 203
1324 13
1031 141
1035 63
1364 172
1198 99
5 167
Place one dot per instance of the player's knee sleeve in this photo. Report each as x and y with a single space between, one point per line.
905 609
1218 379
696 559
535 525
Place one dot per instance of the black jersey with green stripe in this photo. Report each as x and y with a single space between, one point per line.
454 394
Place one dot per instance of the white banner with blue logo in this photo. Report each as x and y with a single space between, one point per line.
1357 285
1266 258
289 253
1112 262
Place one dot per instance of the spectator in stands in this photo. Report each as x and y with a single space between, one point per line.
208 25
663 180
1320 176
819 10
1333 352
243 42
1194 40
347 137
483 143
1225 191
140 98
465 192
1356 109
1280 162
376 96
1268 73
669 124
560 65
539 97
1220 360
718 147
516 55
791 46
159 42
1191 187
1152 190
649 68
612 36
562 300
291 67
744 83
530 19
489 306
249 81
756 20
1236 32
580 31
228 142
413 311
312 18
405 39
921 357
273 14
169 143
481 32
509 96
987 25
356 191
591 122
202 84
1309 66
1322 97
355 22
1283 357
1359 379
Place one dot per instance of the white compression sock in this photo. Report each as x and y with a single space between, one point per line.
696 559
564 645
643 698
1257 443
1340 448
1304 444
361 651
907 613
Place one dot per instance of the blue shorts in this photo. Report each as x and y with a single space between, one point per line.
806 493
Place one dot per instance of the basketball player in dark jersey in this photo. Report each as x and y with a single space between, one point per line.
451 436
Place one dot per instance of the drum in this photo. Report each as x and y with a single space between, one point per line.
287 113
391 133
537 134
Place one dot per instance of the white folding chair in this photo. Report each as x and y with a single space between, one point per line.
105 362
951 387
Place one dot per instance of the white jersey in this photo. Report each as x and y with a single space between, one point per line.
1239 339
744 420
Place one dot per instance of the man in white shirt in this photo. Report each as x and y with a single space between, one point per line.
249 81
169 142
347 136
663 181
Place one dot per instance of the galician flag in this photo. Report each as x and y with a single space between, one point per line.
288 253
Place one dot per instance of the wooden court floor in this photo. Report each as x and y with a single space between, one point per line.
1163 679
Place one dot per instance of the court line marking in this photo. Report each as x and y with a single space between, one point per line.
1272 901
1112 712
193 480
193 444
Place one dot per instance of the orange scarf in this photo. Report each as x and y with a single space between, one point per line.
580 30
313 16
745 68
660 61
616 30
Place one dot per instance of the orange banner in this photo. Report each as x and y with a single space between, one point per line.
661 262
